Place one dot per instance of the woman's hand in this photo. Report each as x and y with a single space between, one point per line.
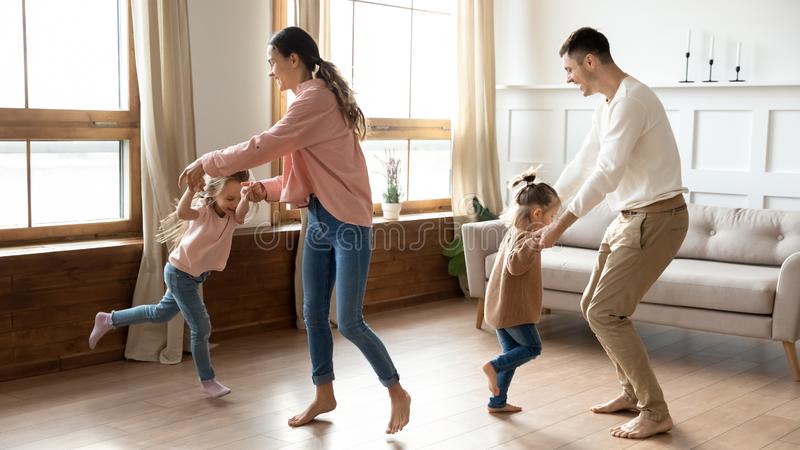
255 191
193 174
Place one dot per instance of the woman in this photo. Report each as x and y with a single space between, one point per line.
324 170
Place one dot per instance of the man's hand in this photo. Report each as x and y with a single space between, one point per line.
548 236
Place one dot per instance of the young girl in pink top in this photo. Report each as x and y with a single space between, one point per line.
324 170
199 233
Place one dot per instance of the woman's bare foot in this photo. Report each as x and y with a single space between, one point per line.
491 375
621 403
401 409
509 408
641 428
324 401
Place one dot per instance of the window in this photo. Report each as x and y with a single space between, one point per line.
399 57
69 119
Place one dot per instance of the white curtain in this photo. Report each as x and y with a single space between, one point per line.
163 66
314 17
475 164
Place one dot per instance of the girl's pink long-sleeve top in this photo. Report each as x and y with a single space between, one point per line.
321 156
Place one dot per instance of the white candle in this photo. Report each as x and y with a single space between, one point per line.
689 41
711 49
738 53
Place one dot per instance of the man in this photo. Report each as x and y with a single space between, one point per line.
631 160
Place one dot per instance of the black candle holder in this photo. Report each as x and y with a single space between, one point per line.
737 80
686 77
710 66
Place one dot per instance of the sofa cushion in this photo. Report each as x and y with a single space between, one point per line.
716 285
686 282
747 236
567 268
587 232
563 268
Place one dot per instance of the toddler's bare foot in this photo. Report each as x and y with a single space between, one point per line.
401 409
621 403
491 375
641 428
509 408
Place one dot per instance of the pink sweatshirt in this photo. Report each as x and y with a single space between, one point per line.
321 156
206 244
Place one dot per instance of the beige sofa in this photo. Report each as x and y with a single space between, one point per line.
738 272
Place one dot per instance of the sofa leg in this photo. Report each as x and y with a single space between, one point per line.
479 314
546 311
791 356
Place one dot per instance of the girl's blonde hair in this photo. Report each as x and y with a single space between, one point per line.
172 228
529 196
295 40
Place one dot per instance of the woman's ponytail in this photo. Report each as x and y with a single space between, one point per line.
345 97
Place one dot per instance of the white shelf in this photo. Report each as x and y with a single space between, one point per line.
695 85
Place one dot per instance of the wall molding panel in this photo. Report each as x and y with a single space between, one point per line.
739 144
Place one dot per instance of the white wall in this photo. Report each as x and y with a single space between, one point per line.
739 143
648 37
229 74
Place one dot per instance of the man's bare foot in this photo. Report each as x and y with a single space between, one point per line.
621 403
491 375
509 408
641 428
401 409
324 401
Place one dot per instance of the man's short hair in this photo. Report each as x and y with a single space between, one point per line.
584 41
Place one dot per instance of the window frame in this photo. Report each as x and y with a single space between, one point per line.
377 129
29 124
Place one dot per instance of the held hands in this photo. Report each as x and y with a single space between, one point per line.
193 174
246 193
254 190
548 236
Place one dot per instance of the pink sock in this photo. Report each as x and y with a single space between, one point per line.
214 388
102 325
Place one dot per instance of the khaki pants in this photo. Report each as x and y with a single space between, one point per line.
635 250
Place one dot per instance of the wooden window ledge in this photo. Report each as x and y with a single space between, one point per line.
376 220
34 249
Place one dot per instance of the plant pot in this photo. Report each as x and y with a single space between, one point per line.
391 211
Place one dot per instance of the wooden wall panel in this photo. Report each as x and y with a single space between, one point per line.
256 289
48 300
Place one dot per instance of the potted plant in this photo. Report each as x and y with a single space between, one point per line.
391 196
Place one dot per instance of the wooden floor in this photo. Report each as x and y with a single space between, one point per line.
723 392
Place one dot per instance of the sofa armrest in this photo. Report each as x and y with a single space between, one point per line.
786 315
480 240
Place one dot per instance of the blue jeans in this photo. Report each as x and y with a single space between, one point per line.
520 344
182 296
338 252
